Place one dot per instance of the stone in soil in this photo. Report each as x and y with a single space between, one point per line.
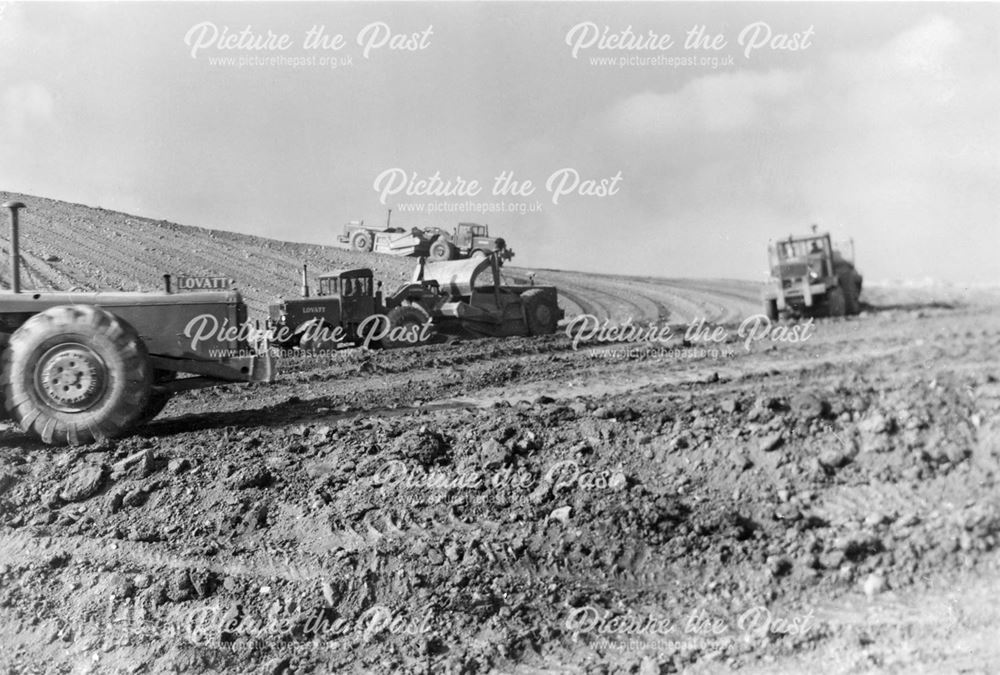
179 465
809 406
771 442
250 477
426 446
83 484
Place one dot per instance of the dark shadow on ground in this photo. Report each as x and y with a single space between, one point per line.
908 306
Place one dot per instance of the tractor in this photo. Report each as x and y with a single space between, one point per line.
809 277
335 315
85 366
456 298
466 241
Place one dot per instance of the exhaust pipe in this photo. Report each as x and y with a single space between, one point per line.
305 282
15 253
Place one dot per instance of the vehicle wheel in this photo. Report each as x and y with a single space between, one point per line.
75 374
413 319
835 304
157 399
318 339
771 309
850 291
442 249
540 312
361 241
478 253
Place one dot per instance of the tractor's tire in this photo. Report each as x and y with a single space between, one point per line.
362 241
852 305
318 339
76 374
540 312
771 309
442 249
836 305
158 399
478 253
412 318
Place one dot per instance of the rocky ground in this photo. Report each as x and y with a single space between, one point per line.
521 505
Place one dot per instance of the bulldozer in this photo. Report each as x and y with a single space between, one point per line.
85 366
463 298
810 277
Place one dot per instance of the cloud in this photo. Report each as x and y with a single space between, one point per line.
925 48
717 103
895 142
27 107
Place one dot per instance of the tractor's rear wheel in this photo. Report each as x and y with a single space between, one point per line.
361 241
540 312
442 249
407 327
851 295
76 374
835 303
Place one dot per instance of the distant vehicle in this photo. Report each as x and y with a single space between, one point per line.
810 277
361 237
467 240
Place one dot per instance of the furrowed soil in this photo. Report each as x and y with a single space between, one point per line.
518 505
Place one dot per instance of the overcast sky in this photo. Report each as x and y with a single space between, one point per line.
882 124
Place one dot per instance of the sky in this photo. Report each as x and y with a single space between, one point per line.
647 153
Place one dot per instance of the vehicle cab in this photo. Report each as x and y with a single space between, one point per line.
355 289
801 261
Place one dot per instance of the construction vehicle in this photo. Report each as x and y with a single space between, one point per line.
361 237
467 240
458 298
810 277
85 366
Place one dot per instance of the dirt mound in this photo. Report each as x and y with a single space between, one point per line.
69 246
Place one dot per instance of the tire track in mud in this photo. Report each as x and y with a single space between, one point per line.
607 300
748 299
16 548
652 299
585 306
947 496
